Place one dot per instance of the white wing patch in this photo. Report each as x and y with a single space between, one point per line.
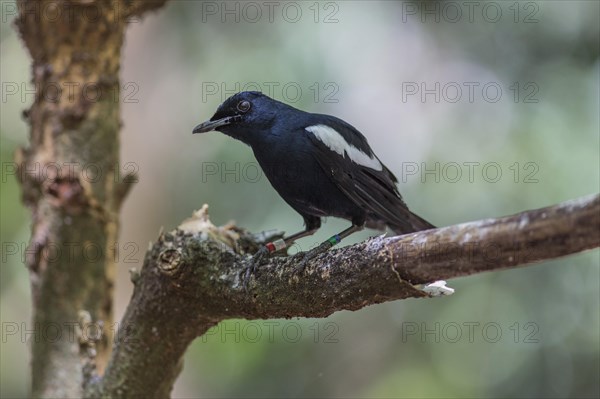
335 142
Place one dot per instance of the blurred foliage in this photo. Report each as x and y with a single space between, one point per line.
363 57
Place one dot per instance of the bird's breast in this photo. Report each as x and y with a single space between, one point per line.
289 169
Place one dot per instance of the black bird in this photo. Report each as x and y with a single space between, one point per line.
320 165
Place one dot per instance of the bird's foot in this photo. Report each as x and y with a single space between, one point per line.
252 264
313 253
257 259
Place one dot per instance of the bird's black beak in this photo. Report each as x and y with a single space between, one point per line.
211 125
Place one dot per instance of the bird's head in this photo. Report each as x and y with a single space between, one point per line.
244 116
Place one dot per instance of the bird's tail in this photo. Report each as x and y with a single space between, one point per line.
413 223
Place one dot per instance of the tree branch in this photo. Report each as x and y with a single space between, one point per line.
191 280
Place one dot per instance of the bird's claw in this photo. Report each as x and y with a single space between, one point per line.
255 261
253 264
313 253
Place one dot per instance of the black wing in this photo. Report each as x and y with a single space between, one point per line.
371 189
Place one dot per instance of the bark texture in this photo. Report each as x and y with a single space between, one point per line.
70 175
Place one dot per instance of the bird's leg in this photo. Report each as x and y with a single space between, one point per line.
312 225
326 245
285 242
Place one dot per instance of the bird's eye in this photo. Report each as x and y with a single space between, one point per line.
243 106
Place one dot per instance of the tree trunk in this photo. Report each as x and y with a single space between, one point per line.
71 179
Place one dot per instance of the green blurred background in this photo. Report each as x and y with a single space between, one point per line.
361 61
